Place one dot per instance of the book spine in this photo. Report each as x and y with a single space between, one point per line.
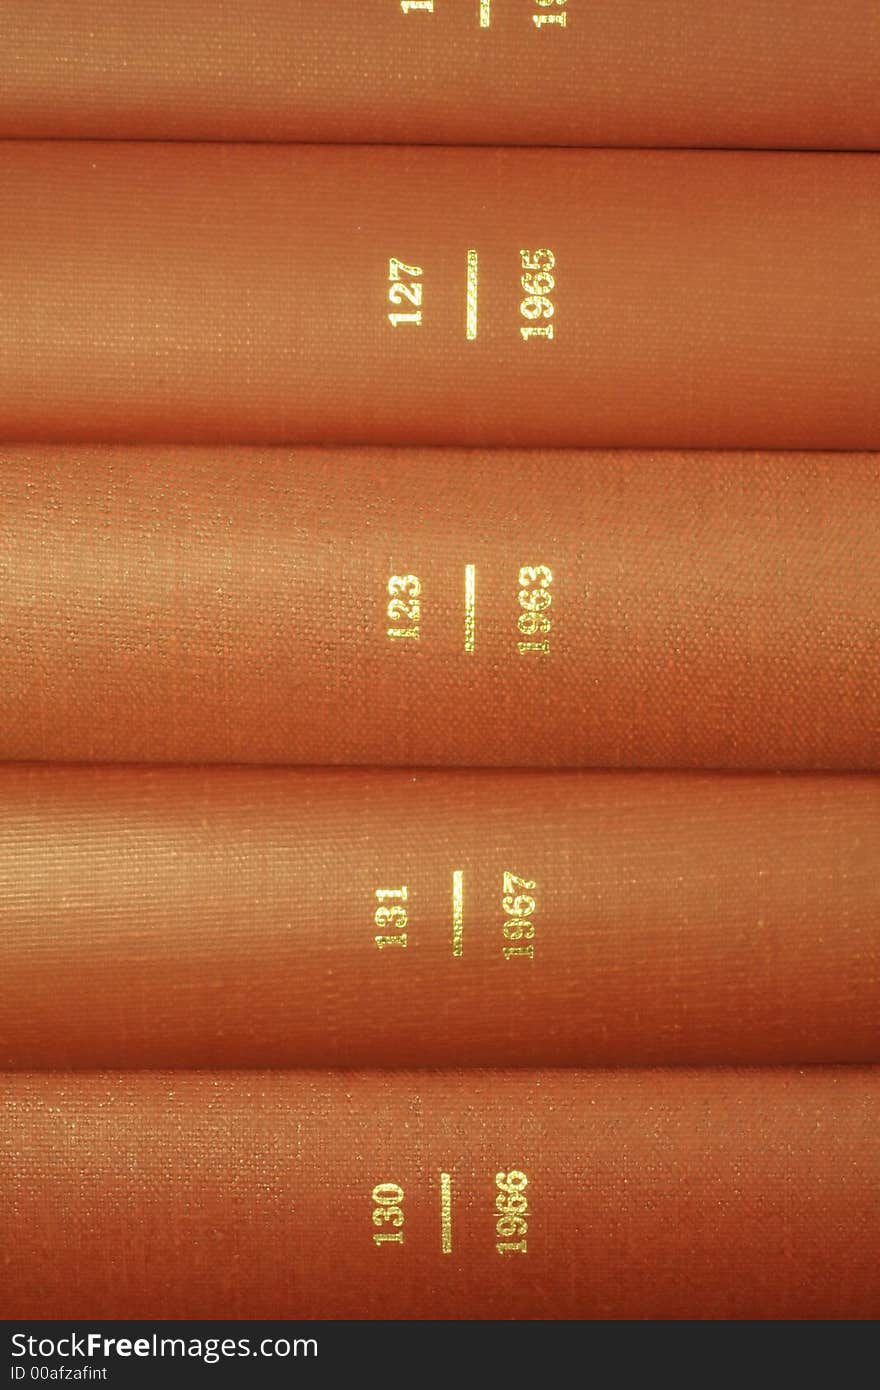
546 1195
233 917
413 607
797 73
301 294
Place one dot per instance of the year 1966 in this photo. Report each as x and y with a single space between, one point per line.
512 1207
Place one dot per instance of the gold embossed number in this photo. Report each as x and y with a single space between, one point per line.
535 599
512 1208
404 289
404 606
538 282
388 1211
390 917
518 903
559 15
484 9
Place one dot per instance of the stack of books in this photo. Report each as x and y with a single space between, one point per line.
440 660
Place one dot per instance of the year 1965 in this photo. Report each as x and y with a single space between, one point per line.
538 282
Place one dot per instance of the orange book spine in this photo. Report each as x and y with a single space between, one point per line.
794 73
413 607
545 1195
300 294
234 917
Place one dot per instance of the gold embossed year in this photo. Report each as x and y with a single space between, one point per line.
512 1212
518 903
551 14
391 917
535 600
538 282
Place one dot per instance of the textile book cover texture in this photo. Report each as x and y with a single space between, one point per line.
440 607
543 1195
771 73
387 295
228 917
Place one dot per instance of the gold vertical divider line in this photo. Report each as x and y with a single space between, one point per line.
485 13
446 1213
470 607
473 277
457 912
